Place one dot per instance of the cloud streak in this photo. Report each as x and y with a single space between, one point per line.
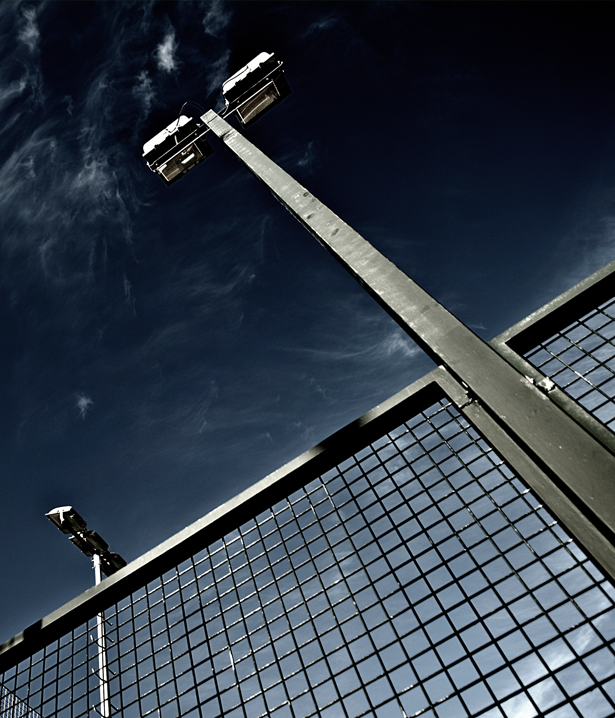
216 19
217 72
323 25
398 343
84 404
165 52
29 33
144 91
47 193
60 194
11 91
307 160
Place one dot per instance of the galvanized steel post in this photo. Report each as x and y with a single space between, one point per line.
579 465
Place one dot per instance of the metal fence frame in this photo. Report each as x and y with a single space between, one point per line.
351 439
520 338
513 343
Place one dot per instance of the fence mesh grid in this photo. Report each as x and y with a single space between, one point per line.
581 360
420 577
12 707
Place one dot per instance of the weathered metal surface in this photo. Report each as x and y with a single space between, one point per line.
581 467
217 523
557 396
549 319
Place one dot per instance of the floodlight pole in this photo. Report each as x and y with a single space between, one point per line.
576 462
69 521
103 674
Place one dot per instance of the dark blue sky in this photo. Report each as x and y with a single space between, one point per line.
164 348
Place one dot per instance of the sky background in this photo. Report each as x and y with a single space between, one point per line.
164 348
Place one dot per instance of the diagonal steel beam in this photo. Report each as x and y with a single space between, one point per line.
579 465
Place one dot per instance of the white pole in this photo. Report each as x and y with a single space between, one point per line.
103 677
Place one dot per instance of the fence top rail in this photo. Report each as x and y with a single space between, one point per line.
559 312
243 507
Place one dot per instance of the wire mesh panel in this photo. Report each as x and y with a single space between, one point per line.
420 577
12 707
581 360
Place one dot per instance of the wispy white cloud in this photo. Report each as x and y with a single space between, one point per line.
358 340
302 157
217 72
596 233
59 206
69 104
127 289
217 18
144 90
373 347
84 404
215 23
165 52
588 245
194 415
14 89
18 47
183 412
317 388
200 288
308 157
399 343
29 33
17 172
305 431
94 177
323 25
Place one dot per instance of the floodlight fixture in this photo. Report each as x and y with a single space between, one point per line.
256 88
90 543
178 148
67 520
82 545
115 561
251 92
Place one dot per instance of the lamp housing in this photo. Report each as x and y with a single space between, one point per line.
82 545
111 562
98 543
177 149
256 88
67 519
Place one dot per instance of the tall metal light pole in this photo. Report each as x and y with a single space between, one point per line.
572 459
104 561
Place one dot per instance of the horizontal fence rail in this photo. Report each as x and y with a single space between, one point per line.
415 563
